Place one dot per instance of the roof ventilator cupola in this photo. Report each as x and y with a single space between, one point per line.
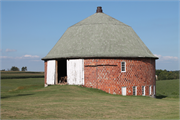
99 10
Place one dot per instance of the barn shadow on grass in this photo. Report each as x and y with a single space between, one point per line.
160 96
3 97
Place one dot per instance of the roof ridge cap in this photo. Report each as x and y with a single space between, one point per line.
99 23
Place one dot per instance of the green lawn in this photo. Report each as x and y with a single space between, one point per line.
28 99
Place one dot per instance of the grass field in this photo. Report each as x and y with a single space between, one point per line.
167 88
20 74
28 99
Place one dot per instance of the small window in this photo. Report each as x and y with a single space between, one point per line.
143 90
150 90
134 90
123 66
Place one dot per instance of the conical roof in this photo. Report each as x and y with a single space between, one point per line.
99 36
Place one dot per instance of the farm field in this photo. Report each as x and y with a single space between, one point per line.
20 74
28 99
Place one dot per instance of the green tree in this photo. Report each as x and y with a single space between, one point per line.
172 75
158 72
163 75
167 75
24 69
14 68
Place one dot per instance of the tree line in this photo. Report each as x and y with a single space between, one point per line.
167 75
14 68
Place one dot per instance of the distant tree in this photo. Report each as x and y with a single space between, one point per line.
24 69
158 72
14 68
3 70
172 75
167 75
163 76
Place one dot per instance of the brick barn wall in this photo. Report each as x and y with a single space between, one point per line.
105 74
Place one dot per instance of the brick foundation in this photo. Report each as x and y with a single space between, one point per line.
106 74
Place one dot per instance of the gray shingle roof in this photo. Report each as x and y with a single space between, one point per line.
99 35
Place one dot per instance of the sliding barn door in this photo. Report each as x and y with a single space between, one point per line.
51 72
75 72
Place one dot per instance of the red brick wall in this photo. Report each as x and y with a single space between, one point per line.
105 74
45 72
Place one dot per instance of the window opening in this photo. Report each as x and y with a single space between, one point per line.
134 90
154 90
124 91
150 90
143 90
123 66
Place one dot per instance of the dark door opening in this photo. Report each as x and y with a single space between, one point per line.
62 71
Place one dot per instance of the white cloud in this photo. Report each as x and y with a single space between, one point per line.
157 55
170 58
22 57
31 56
37 60
6 57
10 50
166 58
18 58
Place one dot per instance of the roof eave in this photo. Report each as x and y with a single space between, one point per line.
79 57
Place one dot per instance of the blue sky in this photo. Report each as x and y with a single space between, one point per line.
30 29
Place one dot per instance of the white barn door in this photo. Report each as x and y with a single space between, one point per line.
51 72
75 72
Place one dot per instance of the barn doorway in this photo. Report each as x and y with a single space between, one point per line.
62 71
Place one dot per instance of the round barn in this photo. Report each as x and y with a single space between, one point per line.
104 53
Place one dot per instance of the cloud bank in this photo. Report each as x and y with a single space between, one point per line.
31 56
11 50
165 58
22 57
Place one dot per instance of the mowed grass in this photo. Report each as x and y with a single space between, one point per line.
167 88
20 74
8 86
28 99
